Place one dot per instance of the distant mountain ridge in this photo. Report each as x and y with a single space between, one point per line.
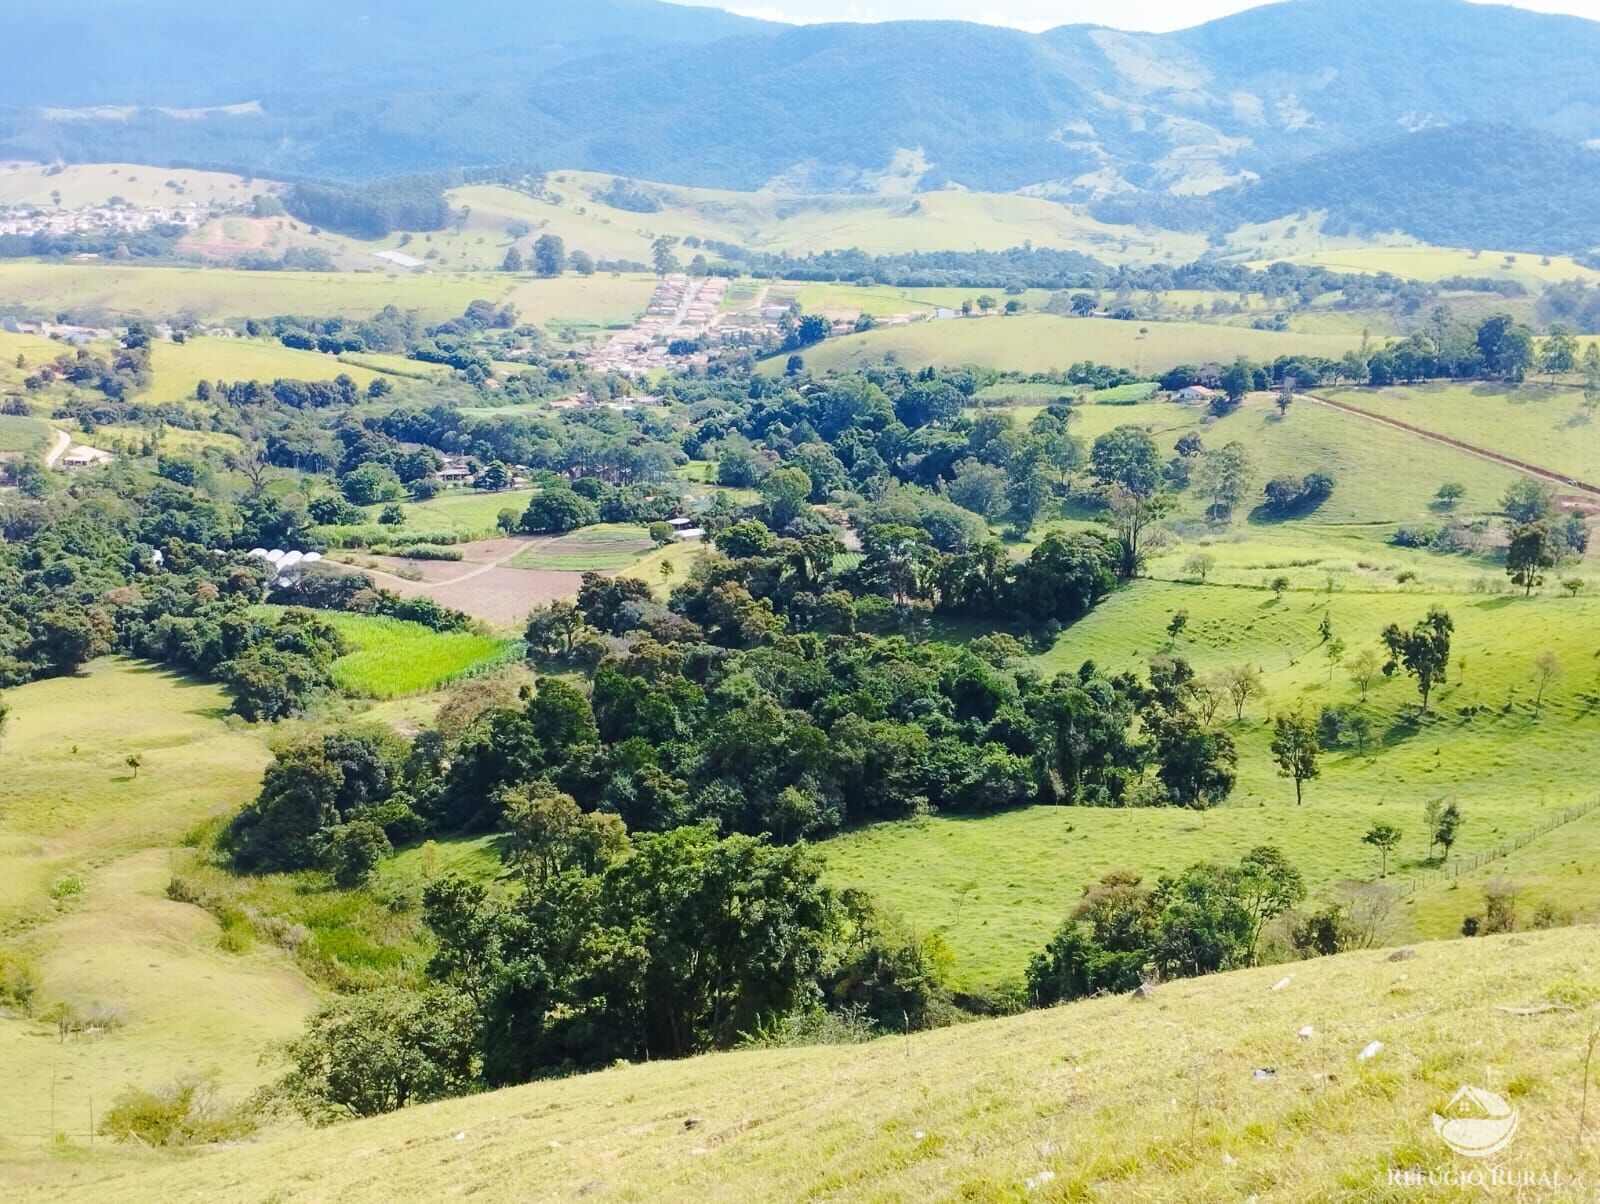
699 96
1458 186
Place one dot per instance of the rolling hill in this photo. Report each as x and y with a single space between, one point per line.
1299 1083
1456 186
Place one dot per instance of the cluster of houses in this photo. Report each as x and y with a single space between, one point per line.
61 332
683 309
100 219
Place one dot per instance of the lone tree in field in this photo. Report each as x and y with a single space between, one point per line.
1534 547
1424 651
1334 651
1199 565
549 255
1176 625
1284 397
134 761
1242 683
1450 494
1384 838
1445 821
1591 379
1296 746
1546 668
1363 668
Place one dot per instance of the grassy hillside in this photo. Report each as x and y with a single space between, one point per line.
85 184
179 367
1040 342
86 851
781 221
1536 423
216 294
1437 263
1111 1099
997 886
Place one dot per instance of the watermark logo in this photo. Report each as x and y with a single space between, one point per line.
1476 1123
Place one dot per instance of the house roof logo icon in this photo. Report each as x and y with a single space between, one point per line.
1476 1123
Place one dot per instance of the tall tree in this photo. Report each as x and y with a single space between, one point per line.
1296 746
549 255
1560 353
1384 838
1424 651
1534 547
1591 379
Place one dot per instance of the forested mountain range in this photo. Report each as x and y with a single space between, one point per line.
1459 186
698 96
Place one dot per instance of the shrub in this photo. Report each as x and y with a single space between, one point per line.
19 981
185 1112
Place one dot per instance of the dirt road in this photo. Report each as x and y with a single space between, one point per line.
1532 470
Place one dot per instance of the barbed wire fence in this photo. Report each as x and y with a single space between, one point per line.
1428 875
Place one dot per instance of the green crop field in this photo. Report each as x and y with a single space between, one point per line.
389 658
602 547
31 349
218 293
1024 401
457 516
20 434
883 300
1042 342
666 566
773 221
86 851
997 886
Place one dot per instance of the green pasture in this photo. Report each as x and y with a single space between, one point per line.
996 886
1536 423
87 848
1044 342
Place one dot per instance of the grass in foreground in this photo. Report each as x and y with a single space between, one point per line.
1111 1099
86 852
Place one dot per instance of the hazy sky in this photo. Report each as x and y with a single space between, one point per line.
1042 14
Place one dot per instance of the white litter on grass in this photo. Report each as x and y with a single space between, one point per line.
1307 1033
1039 1180
1370 1052
1283 982
461 1136
919 1135
1228 1159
